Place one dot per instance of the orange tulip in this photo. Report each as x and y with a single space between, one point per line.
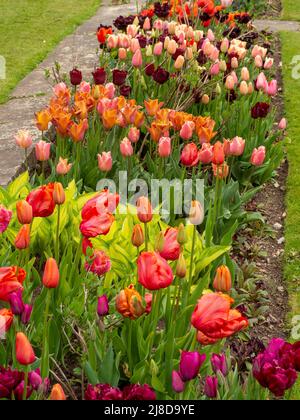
77 131
214 319
222 281
51 274
129 303
57 393
109 118
138 237
144 210
62 123
153 106
22 240
59 195
221 171
6 319
11 280
24 351
24 212
43 119
218 153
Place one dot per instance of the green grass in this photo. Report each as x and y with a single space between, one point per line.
30 29
290 49
291 10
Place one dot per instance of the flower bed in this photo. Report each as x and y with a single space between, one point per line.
130 291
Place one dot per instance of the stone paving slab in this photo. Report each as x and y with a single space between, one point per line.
276 25
33 92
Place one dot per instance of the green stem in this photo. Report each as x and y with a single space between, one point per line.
146 237
25 384
191 264
45 354
57 236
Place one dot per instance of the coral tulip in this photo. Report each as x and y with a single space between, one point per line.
63 167
57 393
187 130
129 303
42 151
126 148
22 240
138 237
154 273
144 210
100 264
23 139
59 195
11 280
134 134
171 247
206 153
190 155
222 281
105 161
24 212
24 351
258 156
51 274
164 147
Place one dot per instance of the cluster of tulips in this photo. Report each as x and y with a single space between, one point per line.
127 304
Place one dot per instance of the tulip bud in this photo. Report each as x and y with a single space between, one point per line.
63 167
177 382
144 210
211 387
181 267
16 302
26 314
24 351
51 274
179 62
205 99
229 84
250 88
149 51
181 236
137 237
42 151
59 196
75 77
224 45
234 63
22 240
164 147
122 54
244 88
190 363
219 363
245 74
218 89
23 139
160 242
24 212
103 306
222 281
105 161
57 393
134 134
223 65
126 148
282 124
157 50
196 216
35 379
258 61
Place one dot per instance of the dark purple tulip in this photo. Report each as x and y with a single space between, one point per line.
102 392
99 76
9 380
103 306
75 77
16 303
150 69
119 77
138 392
260 110
125 91
190 363
219 363
18 393
211 386
26 314
177 382
161 75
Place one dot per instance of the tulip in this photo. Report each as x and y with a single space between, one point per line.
190 155
160 75
16 302
99 224
222 281
126 148
75 77
24 212
158 48
144 210
224 45
261 82
219 363
24 351
172 47
154 273
234 63
119 77
272 88
190 363
26 314
244 88
103 306
147 24
99 76
51 274
137 59
221 171
11 280
206 153
211 386
223 66
122 54
5 218
59 195
229 84
196 215
179 63
100 265
205 99
164 147
282 124
258 61
215 69
105 161
138 237
43 119
237 146
63 167
42 151
23 139
129 303
134 134
6 320
177 382
22 240
187 130
245 74
218 153
258 156
268 63
181 268
57 393
226 3
170 249
153 106
84 87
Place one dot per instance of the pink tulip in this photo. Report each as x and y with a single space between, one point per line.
258 61
132 30
179 62
84 87
110 90
272 88
283 124
134 134
158 48
137 59
42 151
244 88
226 3
112 41
268 63
187 130
229 84
237 146
214 54
105 161
215 69
245 74
126 148
63 167
23 139
210 35
261 82
258 156
122 54
147 24
134 45
206 153
164 147
224 45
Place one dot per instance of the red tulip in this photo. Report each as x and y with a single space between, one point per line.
100 264
144 210
41 201
51 274
24 351
24 212
153 271
22 240
171 247
218 153
190 155
11 280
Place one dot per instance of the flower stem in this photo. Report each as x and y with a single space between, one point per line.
45 354
25 384
57 236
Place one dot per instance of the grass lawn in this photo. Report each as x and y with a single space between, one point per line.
290 49
291 9
29 29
